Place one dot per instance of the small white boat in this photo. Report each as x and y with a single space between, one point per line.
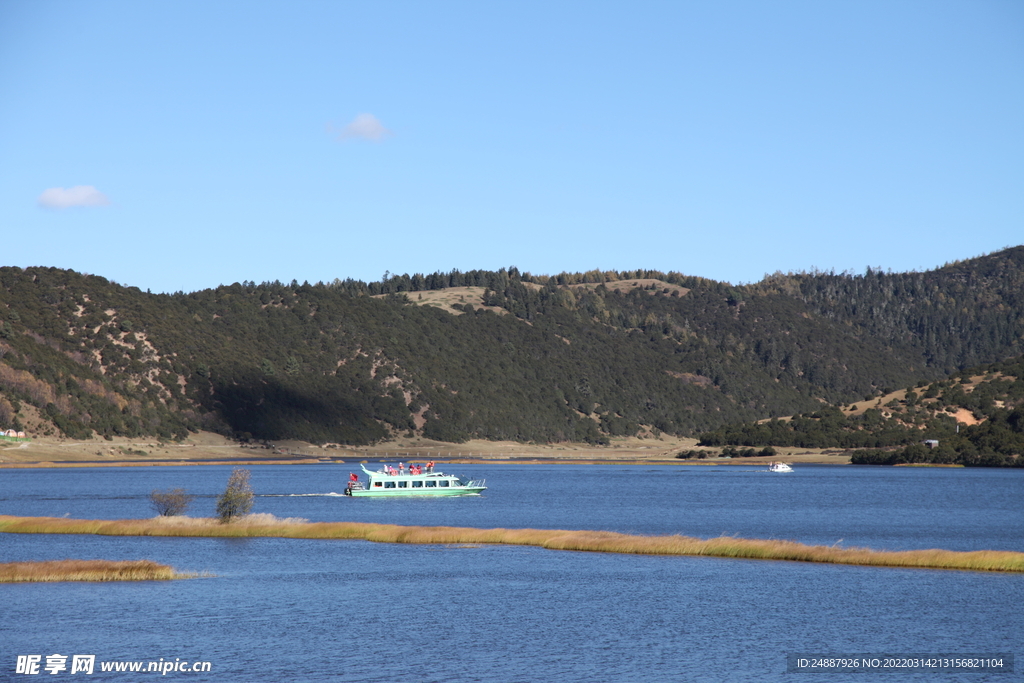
417 481
779 467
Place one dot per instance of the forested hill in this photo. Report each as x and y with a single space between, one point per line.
496 355
973 418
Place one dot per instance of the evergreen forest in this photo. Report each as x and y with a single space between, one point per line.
974 418
580 357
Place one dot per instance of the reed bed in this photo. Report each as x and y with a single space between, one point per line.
86 570
553 539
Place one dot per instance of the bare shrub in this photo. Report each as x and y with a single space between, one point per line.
170 503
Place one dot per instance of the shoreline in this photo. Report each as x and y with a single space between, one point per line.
722 462
211 449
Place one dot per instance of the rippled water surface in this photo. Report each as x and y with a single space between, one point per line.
292 610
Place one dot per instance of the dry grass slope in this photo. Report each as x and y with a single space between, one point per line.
553 539
86 570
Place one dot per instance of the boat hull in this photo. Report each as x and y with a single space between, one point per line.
392 493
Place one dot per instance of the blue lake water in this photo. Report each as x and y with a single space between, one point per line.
291 610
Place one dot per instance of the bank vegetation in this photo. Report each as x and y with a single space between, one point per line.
552 539
86 570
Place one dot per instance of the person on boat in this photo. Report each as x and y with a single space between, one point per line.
430 466
401 468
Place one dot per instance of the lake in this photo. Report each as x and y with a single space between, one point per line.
296 610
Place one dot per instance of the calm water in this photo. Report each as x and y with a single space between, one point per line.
289 610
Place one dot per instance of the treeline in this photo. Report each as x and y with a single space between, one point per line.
489 279
728 452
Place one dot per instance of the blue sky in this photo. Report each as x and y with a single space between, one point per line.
182 145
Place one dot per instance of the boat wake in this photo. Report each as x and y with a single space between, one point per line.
332 494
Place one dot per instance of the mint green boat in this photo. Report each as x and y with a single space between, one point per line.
390 482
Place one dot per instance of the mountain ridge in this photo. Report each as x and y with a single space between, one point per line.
572 357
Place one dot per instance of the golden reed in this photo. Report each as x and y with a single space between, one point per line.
86 570
553 539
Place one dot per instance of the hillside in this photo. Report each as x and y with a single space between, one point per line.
494 355
976 417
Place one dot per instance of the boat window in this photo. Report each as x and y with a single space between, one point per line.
417 484
443 482
389 484
403 484
431 484
377 484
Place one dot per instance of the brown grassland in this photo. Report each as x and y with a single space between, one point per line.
553 539
86 570
205 448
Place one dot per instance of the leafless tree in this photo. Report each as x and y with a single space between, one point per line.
170 503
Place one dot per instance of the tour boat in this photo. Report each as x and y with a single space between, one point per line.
779 467
415 481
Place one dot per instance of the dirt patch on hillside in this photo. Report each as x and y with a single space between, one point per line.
964 416
446 299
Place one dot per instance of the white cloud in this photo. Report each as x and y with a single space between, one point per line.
79 195
365 127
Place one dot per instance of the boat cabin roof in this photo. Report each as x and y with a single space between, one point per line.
406 474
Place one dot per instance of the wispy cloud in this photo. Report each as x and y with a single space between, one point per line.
79 195
364 127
